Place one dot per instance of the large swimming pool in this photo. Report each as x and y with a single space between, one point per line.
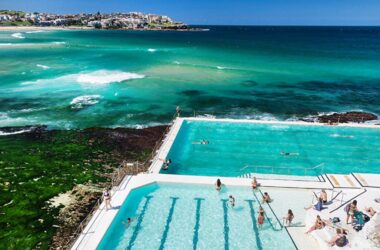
237 148
178 216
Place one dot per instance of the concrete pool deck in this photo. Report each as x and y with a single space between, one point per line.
344 188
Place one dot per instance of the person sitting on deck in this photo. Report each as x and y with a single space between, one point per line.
340 239
288 218
218 185
317 206
319 224
323 196
266 198
254 183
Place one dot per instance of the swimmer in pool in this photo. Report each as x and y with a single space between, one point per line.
202 142
289 154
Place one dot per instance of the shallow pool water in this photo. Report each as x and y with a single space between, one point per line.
174 216
235 148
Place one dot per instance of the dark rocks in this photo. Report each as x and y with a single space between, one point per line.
353 116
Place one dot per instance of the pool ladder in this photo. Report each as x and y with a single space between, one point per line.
288 170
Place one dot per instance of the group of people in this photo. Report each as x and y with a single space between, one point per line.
354 217
264 199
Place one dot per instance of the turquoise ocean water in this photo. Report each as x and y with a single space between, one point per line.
78 79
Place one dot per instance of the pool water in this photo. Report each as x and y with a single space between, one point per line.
178 216
235 148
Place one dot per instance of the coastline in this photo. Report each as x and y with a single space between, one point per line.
56 28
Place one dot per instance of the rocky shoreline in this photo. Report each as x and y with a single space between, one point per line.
69 168
345 117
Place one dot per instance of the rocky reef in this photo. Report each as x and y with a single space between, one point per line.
51 179
346 117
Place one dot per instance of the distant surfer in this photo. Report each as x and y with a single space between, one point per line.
201 142
289 154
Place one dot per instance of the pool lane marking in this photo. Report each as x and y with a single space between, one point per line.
226 227
168 221
334 180
254 225
197 222
348 179
139 221
362 180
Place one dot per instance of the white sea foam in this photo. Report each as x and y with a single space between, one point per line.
152 50
58 43
6 120
341 136
31 45
42 66
220 67
90 79
176 62
84 100
14 132
18 35
35 31
101 77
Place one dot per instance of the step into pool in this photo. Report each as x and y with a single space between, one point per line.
222 148
178 216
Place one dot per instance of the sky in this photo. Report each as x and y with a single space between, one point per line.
223 12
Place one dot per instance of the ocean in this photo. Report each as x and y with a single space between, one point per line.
70 79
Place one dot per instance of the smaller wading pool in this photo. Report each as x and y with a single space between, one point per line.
183 216
237 148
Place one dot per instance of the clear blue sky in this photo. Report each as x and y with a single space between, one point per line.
246 12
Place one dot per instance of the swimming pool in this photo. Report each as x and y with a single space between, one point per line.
179 216
236 148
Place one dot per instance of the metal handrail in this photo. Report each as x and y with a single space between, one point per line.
278 221
288 168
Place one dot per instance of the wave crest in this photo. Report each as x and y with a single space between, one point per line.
42 66
80 102
101 77
18 35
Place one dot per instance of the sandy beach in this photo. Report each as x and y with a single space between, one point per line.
29 28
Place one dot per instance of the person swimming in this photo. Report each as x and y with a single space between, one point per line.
231 199
289 153
166 163
201 142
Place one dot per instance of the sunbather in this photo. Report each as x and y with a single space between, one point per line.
370 211
317 206
319 224
339 239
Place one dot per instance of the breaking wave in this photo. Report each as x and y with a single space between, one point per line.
18 35
152 50
101 77
35 31
84 100
95 78
42 66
